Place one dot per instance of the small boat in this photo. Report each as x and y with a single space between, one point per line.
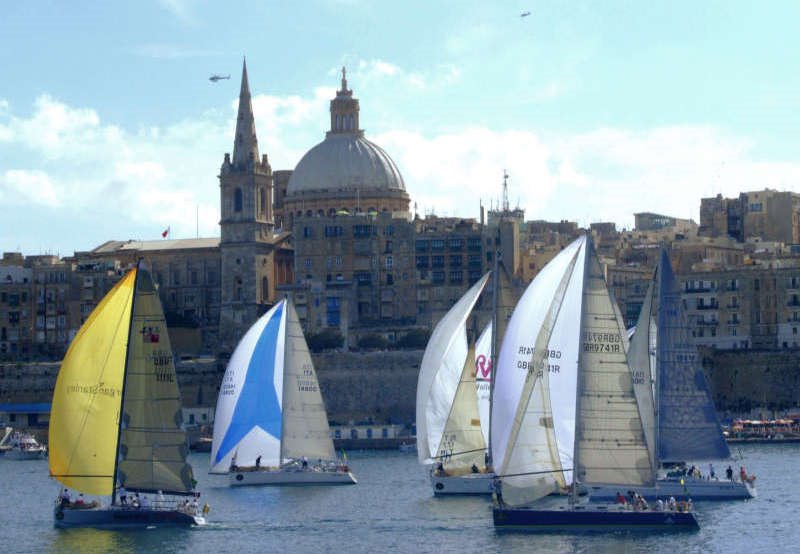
19 445
115 424
409 447
450 439
563 408
270 426
678 413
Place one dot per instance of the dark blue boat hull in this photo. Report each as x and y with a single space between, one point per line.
120 518
591 519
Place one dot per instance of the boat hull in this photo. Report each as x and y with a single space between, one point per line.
471 483
292 477
17 454
696 489
591 520
124 518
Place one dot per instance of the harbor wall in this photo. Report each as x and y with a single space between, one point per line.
380 387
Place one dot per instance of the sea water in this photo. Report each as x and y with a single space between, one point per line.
392 509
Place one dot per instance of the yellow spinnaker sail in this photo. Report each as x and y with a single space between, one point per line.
84 417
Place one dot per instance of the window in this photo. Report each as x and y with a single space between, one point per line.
437 244
389 262
237 200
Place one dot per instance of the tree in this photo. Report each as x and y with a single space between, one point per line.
415 338
373 340
327 339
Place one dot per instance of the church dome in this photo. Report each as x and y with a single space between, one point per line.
345 161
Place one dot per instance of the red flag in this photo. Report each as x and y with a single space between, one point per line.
165 232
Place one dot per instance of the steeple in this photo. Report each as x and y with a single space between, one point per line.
344 110
245 145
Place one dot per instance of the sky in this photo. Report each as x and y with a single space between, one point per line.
111 130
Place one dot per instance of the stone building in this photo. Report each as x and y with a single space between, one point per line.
768 214
448 256
247 244
16 307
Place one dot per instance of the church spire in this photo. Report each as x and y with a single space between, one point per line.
344 110
245 144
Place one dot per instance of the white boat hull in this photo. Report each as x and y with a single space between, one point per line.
17 454
696 489
292 477
471 483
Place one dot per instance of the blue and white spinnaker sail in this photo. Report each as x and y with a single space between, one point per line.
247 424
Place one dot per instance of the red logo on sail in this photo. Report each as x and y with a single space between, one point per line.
150 334
483 367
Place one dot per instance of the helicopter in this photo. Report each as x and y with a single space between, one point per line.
214 78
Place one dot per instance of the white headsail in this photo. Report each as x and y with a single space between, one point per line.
440 373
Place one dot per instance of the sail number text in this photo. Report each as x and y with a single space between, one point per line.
602 342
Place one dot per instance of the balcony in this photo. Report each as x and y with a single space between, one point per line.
712 306
708 322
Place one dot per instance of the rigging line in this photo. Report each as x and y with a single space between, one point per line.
444 456
534 473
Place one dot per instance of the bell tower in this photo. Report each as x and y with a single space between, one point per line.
246 225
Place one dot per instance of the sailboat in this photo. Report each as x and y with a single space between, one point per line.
115 422
450 438
679 416
270 426
563 409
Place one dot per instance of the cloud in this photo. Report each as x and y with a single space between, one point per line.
603 175
20 187
66 162
130 181
181 9
378 72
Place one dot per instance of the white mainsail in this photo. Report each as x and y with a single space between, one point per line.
440 374
610 445
305 422
462 443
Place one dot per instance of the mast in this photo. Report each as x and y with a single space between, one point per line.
124 381
656 411
573 499
285 316
493 354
